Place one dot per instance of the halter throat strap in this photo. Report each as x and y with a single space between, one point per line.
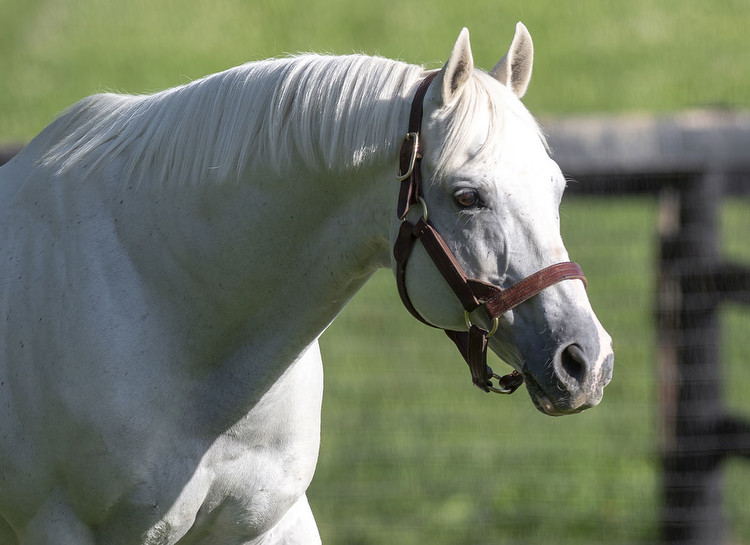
473 294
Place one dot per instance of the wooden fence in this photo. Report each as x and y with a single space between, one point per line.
690 162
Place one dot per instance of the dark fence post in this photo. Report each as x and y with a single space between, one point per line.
689 353
677 157
696 433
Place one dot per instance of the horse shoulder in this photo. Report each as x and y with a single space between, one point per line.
263 465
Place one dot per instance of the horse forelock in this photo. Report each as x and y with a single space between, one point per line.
481 98
318 112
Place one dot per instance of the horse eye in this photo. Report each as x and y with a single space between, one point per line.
467 198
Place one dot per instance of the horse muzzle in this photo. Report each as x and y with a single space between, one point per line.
571 382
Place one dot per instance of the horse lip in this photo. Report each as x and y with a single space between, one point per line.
538 397
544 405
609 367
542 402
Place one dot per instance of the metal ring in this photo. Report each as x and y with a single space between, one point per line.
493 329
401 176
499 390
424 208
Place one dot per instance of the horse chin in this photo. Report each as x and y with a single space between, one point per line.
562 405
556 399
545 406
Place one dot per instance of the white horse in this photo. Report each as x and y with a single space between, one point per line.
169 262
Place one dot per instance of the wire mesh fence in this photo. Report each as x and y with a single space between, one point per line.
411 453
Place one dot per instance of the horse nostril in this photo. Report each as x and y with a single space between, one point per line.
573 363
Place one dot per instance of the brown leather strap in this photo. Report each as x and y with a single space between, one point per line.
401 252
446 263
410 155
472 345
524 289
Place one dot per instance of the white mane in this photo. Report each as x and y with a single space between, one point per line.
330 113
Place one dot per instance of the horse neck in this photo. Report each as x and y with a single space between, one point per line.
264 263
267 262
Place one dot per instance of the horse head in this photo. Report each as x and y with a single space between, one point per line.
493 193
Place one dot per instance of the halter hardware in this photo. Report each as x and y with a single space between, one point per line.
493 329
423 204
405 168
472 293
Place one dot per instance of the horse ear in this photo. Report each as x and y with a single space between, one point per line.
514 69
457 70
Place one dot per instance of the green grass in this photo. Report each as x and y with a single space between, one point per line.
591 55
411 452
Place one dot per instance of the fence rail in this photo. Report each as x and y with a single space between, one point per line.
644 153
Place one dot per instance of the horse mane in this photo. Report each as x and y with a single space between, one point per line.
330 113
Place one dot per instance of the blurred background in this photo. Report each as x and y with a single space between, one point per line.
411 452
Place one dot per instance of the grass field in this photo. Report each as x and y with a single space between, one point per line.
591 55
411 452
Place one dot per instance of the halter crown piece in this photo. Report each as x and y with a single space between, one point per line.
472 294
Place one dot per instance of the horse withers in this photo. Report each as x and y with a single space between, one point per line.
169 262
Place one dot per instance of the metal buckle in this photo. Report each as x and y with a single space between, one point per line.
403 175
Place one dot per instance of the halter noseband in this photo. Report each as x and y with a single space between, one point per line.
472 293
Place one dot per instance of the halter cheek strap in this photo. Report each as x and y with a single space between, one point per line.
472 293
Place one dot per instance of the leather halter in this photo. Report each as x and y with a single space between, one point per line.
472 293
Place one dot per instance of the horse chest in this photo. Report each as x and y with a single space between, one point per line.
253 473
245 493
